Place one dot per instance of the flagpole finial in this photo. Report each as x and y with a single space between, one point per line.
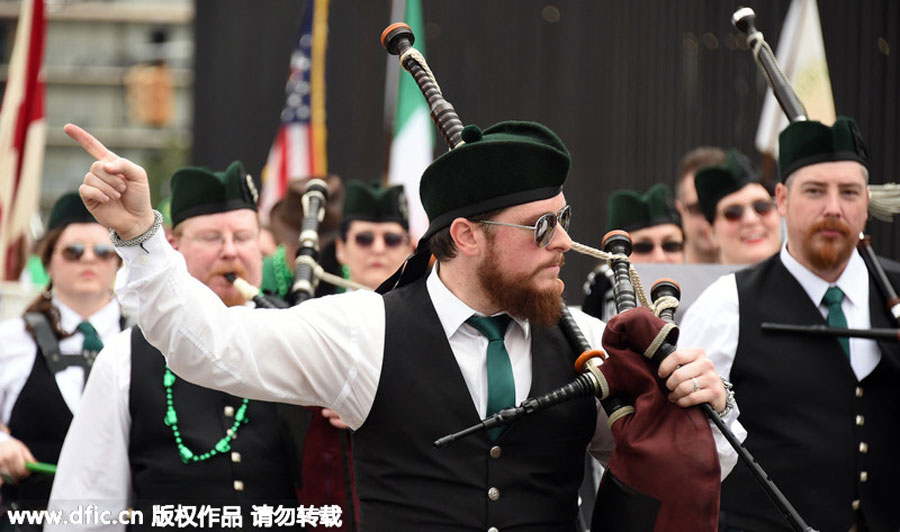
394 35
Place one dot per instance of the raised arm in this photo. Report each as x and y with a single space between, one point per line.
115 189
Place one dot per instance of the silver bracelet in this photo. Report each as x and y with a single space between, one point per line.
729 397
140 239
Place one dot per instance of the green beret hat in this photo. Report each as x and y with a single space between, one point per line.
375 203
629 210
507 164
69 209
810 142
197 191
715 182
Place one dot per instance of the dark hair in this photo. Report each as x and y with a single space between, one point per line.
697 159
441 243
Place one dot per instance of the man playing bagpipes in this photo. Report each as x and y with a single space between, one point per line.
822 413
442 351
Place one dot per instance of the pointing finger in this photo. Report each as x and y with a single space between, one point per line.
90 144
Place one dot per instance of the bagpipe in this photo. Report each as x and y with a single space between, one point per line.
664 473
883 198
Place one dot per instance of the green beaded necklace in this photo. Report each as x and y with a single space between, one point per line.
171 419
284 277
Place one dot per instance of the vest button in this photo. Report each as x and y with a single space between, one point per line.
860 420
229 411
238 485
859 391
863 447
493 494
855 504
863 476
496 451
236 457
493 529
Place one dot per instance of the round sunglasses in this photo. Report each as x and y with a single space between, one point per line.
73 252
669 246
391 240
545 226
734 213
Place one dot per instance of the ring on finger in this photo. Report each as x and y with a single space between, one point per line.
695 383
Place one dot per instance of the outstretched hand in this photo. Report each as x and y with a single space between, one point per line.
115 190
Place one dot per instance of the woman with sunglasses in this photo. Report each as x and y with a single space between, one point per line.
47 353
740 209
656 233
374 239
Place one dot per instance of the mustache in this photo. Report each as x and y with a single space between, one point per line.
830 225
235 267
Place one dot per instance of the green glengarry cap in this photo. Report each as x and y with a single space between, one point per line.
69 209
507 164
375 203
198 190
810 142
630 210
715 182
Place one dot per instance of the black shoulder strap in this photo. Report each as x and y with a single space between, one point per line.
47 342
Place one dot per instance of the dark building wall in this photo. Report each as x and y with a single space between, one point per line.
629 86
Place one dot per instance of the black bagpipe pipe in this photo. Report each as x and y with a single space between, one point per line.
306 264
744 20
682 509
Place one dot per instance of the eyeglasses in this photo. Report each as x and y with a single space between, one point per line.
734 213
669 246
545 226
74 252
391 240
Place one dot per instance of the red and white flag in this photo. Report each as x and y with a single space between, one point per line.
299 149
23 134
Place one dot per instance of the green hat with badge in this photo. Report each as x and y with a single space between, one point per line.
197 191
372 202
630 210
715 182
507 164
69 209
809 142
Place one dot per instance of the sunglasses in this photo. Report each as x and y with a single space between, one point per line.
74 252
644 248
734 213
391 240
545 226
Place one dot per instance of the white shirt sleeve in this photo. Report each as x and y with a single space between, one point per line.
93 466
327 351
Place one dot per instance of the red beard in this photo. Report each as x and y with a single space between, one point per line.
516 296
825 253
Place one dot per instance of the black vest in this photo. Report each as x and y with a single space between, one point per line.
405 484
264 467
825 438
39 419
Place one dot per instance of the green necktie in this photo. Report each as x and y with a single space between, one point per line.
92 343
833 298
501 386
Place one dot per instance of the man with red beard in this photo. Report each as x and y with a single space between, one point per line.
431 354
144 437
822 413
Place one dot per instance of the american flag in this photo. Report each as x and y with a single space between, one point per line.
298 150
23 132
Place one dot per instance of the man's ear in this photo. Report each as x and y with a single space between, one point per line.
339 250
781 193
467 235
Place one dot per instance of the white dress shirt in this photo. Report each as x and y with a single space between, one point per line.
327 351
713 322
18 352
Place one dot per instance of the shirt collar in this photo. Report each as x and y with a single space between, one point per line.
102 320
854 280
452 311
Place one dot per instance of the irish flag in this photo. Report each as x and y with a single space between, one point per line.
412 147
